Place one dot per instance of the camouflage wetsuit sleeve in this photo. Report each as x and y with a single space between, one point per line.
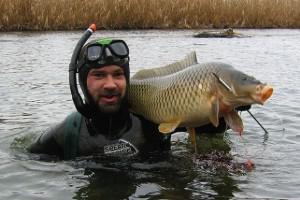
50 141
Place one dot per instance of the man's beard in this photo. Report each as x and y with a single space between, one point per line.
110 109
113 108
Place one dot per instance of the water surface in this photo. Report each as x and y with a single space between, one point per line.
34 93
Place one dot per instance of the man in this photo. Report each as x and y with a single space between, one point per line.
108 128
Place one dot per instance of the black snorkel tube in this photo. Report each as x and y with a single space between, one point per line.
73 69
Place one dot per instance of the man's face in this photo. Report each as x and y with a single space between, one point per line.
107 86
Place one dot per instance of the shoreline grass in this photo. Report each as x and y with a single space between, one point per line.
21 15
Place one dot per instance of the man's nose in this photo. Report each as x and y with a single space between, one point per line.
110 83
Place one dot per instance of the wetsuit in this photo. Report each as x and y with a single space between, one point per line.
137 135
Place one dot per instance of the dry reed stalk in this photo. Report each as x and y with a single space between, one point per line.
136 14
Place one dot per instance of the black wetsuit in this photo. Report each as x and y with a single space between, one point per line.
137 135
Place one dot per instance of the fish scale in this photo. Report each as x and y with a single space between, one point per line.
178 94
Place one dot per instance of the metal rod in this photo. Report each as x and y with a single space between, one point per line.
257 121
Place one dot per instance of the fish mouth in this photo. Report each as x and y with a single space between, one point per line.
265 93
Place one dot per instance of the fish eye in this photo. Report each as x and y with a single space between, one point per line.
247 78
244 78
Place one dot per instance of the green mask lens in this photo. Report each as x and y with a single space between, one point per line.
104 41
118 48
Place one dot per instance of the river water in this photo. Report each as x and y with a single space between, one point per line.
34 94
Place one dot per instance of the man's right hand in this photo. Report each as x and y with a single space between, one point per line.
243 108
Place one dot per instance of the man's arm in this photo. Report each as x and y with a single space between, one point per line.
49 141
243 108
211 129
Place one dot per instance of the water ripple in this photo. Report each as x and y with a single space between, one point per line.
34 93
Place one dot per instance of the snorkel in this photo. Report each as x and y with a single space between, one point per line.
73 69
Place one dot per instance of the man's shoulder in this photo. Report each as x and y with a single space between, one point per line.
59 131
73 120
71 135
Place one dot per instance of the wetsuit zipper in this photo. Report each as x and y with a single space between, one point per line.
109 127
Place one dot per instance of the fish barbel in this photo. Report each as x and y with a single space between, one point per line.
189 94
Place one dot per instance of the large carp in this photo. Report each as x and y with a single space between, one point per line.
189 94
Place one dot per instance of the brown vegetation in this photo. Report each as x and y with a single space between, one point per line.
140 14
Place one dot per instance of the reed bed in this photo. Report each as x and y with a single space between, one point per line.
147 14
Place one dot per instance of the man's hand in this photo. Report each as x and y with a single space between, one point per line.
243 108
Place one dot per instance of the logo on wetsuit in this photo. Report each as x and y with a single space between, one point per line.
122 147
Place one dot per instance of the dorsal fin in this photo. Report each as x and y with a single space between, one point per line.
189 60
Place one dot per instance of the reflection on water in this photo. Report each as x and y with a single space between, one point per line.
34 93
169 176
162 184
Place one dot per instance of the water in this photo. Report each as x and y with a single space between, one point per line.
34 93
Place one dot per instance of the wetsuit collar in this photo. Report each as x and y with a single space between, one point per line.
112 126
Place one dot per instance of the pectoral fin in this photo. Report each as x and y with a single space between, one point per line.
214 114
168 127
234 121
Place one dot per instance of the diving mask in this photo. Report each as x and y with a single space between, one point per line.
105 49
